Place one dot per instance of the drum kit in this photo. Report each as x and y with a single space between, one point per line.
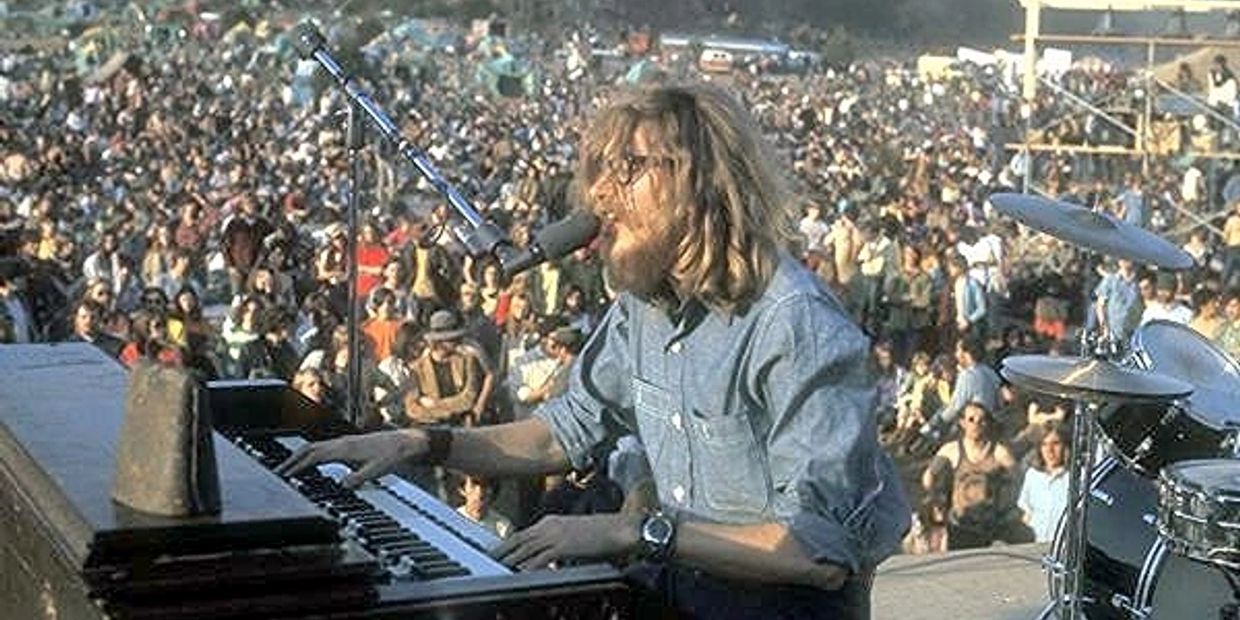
1152 527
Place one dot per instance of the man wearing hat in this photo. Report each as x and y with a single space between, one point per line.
445 381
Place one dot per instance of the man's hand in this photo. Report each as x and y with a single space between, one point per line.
562 537
372 455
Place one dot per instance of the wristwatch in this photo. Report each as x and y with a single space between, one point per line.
658 533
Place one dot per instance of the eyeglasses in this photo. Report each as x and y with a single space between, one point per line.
631 167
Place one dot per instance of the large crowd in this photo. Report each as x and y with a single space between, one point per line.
189 208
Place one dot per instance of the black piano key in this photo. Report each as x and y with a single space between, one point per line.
391 553
440 570
382 538
424 556
385 531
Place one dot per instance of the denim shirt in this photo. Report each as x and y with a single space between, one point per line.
766 415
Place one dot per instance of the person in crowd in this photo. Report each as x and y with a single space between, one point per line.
309 382
242 327
150 341
908 295
1165 306
645 167
178 275
1229 337
976 382
242 238
1044 493
845 241
88 317
394 375
381 328
562 346
980 472
915 392
1118 304
272 355
15 313
1231 246
157 260
891 376
478 496
969 301
392 278
372 255
1208 320
434 278
105 263
445 381
1130 205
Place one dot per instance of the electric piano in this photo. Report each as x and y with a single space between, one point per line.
279 548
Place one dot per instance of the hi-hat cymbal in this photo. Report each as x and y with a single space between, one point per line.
1090 380
1099 232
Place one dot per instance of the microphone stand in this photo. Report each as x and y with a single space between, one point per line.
354 140
481 238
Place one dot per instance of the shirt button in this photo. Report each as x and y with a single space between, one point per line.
676 421
679 494
675 348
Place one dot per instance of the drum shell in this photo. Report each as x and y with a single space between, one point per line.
1201 523
1148 437
1128 565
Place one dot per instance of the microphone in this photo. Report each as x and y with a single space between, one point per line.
556 240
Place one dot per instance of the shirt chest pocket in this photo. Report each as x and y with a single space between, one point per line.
728 466
665 451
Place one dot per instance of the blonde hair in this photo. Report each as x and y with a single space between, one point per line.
736 208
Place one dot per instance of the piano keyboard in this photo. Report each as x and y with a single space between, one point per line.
414 536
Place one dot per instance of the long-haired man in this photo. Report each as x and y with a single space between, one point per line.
744 378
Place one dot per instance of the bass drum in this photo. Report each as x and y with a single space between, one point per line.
1129 572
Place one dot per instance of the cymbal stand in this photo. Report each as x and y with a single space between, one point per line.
1069 570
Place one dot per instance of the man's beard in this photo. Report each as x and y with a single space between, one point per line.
643 266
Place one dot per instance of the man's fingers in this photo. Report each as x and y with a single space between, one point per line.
370 469
304 457
524 550
506 545
542 560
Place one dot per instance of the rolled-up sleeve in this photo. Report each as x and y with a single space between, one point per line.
834 487
598 402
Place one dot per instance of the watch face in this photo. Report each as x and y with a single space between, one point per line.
658 529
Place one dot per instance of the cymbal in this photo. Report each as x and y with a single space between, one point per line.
1090 380
1176 351
1100 232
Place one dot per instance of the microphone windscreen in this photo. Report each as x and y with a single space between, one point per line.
307 39
568 234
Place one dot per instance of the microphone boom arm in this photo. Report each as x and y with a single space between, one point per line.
482 238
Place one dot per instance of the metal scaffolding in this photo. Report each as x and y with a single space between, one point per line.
1143 142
